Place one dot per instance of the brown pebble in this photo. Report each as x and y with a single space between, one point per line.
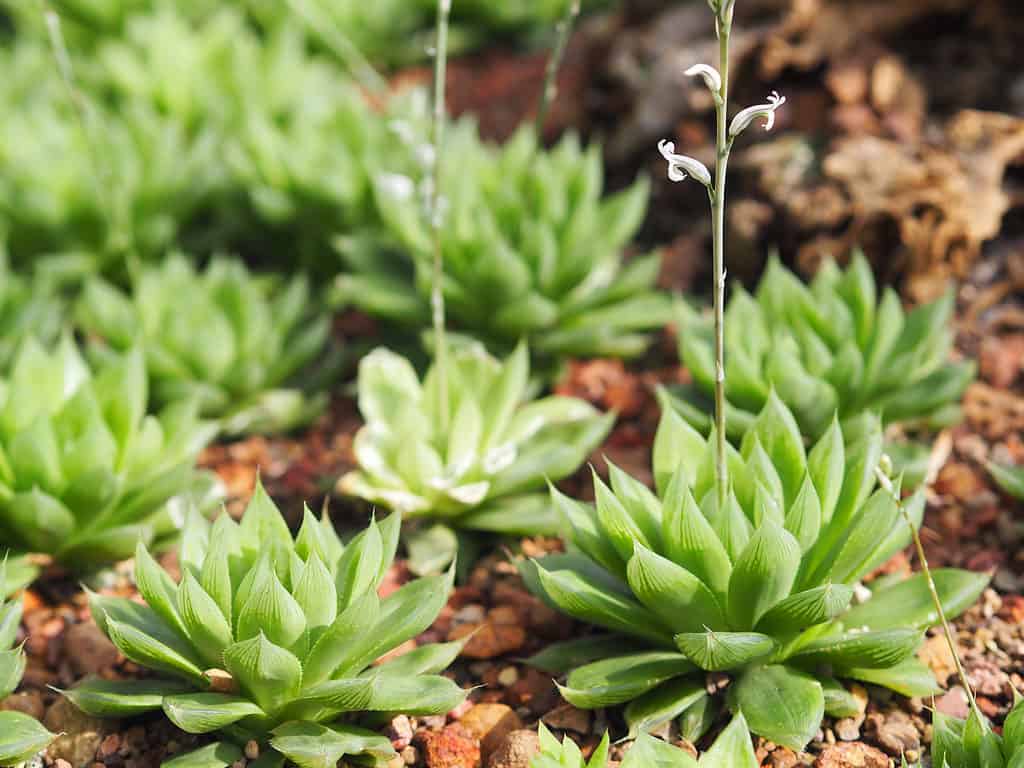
516 751
490 724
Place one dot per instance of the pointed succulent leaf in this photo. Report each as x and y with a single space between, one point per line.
21 737
359 565
909 602
327 700
911 677
662 704
763 575
122 698
267 673
206 712
676 596
12 668
582 598
690 540
804 610
204 623
310 745
655 753
839 702
678 447
715 651
780 704
559 658
876 650
335 648
271 610
732 749
619 679
219 754
419 695
149 652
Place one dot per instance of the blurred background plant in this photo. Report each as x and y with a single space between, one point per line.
86 473
260 335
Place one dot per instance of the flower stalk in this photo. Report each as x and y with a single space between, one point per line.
882 472
444 8
723 26
681 166
550 91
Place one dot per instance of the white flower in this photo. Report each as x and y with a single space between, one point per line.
681 166
748 115
711 77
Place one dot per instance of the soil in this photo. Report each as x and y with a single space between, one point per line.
882 145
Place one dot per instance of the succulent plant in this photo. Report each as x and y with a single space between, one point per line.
486 469
1008 477
272 639
259 333
732 749
21 736
760 587
972 743
830 346
531 248
84 472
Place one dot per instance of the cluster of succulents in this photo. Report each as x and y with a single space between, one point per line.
21 736
256 335
86 473
273 639
484 467
532 247
758 585
831 346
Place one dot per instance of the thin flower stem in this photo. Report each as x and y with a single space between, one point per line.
550 91
437 290
718 235
886 483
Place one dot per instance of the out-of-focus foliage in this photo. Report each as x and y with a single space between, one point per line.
831 346
234 342
30 305
85 473
532 247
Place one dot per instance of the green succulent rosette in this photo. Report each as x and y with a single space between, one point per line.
533 248
833 346
760 588
487 468
274 639
84 471
236 342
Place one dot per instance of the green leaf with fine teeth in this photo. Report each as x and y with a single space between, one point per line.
715 651
266 672
207 712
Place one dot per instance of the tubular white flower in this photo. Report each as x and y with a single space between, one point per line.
748 115
711 77
681 166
